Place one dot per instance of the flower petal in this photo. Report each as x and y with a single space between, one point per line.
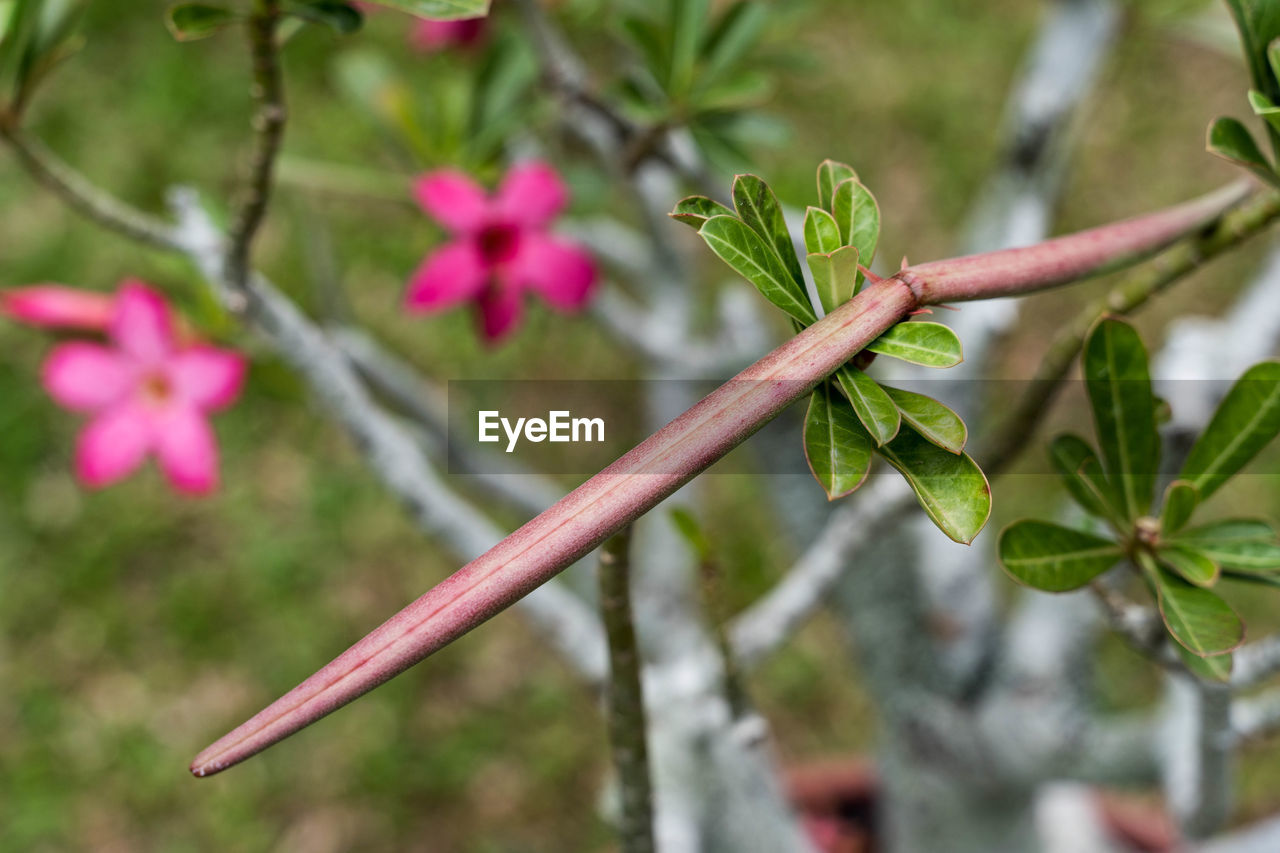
143 324
113 445
451 274
532 194
500 310
85 377
52 306
187 450
452 199
207 377
561 272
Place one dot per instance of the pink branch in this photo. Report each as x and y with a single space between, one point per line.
691 443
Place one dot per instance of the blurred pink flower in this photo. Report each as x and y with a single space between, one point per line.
147 393
435 36
52 306
500 248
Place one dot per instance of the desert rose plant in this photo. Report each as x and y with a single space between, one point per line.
984 715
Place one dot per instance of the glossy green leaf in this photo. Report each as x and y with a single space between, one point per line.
835 276
1216 668
192 21
934 421
1193 565
1198 619
439 10
832 174
758 207
1259 24
697 209
872 404
748 254
923 343
1232 141
1237 544
1246 421
1081 470
1119 386
858 215
951 488
1180 500
835 443
1054 558
1264 107
821 233
340 17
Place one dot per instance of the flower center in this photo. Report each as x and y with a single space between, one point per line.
156 388
498 242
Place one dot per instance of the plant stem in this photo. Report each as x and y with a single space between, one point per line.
1011 434
628 729
658 466
268 124
92 203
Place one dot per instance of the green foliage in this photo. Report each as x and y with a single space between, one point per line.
194 21
835 443
1258 22
699 70
1053 558
852 415
342 18
439 10
1232 141
35 37
1181 566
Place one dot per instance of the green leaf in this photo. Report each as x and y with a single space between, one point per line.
858 216
439 10
1081 470
951 488
1192 564
192 21
1246 421
1264 107
1054 558
1232 141
687 20
836 445
758 207
873 405
1119 386
1259 24
835 276
923 343
1216 668
686 524
1238 544
1180 501
731 39
832 174
746 251
934 421
821 233
342 18
1198 619
697 209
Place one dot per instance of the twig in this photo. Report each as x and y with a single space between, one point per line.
1229 231
85 198
1139 626
627 725
268 123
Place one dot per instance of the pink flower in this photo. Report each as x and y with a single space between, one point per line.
52 306
435 36
147 393
501 247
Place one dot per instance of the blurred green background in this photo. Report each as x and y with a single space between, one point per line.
135 627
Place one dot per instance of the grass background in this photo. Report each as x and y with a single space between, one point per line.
134 626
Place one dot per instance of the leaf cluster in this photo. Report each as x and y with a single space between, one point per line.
851 417
1258 22
1116 483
